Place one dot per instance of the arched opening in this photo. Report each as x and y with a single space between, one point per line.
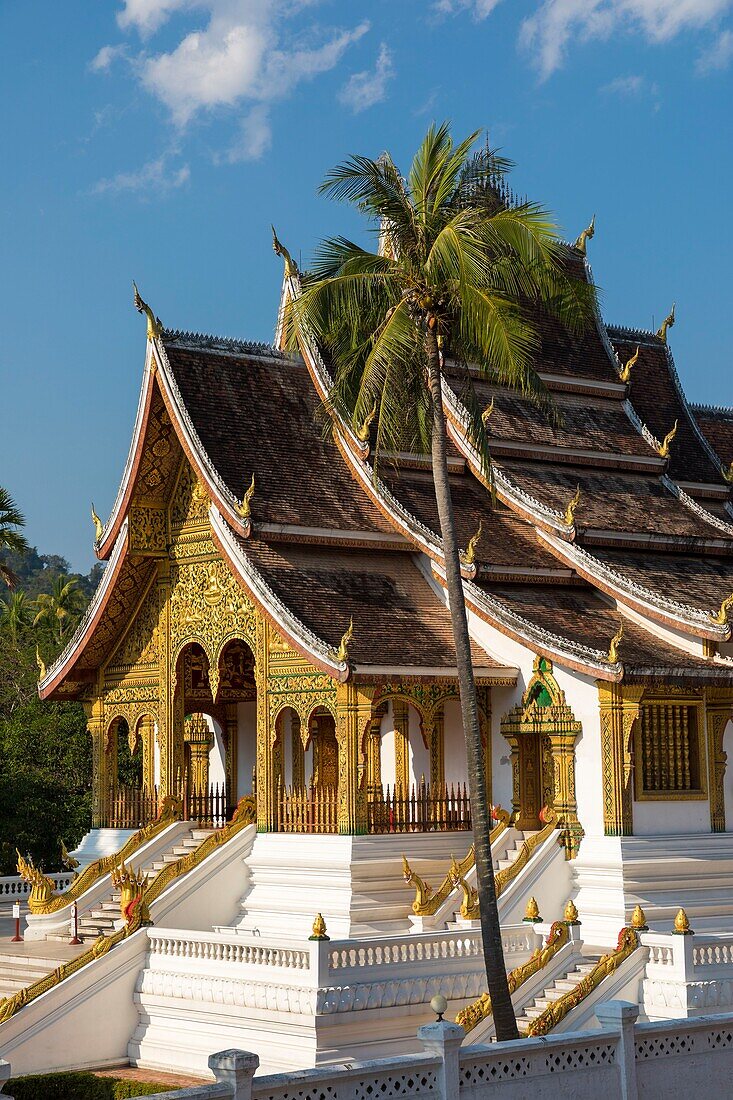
129 804
727 750
306 769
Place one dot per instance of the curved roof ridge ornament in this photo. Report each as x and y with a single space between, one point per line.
582 242
666 325
155 325
664 448
720 617
291 268
614 644
98 527
629 365
571 508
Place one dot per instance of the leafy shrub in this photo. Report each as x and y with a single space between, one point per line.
77 1086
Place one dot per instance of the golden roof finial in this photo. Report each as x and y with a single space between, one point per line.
291 268
319 928
362 432
663 448
244 510
586 235
98 526
532 912
473 542
571 508
41 665
612 657
343 650
629 365
570 916
720 617
727 473
665 325
488 411
155 326
638 920
682 924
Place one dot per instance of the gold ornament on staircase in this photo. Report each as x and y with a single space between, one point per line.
570 916
319 928
682 924
638 920
532 912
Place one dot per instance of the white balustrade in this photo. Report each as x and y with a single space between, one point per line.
15 888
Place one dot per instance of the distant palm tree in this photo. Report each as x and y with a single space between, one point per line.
15 614
455 269
11 520
60 609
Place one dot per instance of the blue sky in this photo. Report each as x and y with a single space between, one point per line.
157 140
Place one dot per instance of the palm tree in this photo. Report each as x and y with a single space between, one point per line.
15 614
60 609
11 520
454 271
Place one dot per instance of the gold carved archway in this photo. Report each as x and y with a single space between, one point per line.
541 731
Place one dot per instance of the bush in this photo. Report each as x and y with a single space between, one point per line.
77 1086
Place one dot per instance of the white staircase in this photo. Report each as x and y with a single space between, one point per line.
504 856
557 988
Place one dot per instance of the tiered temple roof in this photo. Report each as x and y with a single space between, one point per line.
650 541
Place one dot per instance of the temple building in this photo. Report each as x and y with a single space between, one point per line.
272 632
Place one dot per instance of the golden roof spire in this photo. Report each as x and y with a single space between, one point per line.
571 508
98 526
244 510
343 650
473 542
612 657
663 448
720 617
586 235
362 432
155 326
291 268
487 411
629 365
665 325
727 473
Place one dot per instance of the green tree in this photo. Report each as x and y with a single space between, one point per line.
15 615
60 609
11 539
456 269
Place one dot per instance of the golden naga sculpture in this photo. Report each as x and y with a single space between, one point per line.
663 450
362 432
720 617
612 656
487 412
571 508
682 924
291 268
666 325
68 861
628 941
423 890
41 665
42 888
585 236
481 1009
727 473
629 365
98 526
131 885
638 920
319 928
343 649
244 510
473 542
155 325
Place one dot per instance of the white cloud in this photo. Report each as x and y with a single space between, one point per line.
366 88
154 177
550 30
480 9
243 52
624 86
103 60
254 139
718 56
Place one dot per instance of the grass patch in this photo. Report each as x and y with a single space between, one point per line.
77 1086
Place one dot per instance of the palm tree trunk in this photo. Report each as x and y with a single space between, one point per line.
496 977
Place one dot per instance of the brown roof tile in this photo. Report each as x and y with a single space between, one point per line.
717 427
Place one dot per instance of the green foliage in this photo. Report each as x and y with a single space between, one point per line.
45 751
78 1086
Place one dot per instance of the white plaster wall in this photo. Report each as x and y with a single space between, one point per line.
662 818
456 767
246 745
386 731
217 766
419 759
156 756
286 736
728 777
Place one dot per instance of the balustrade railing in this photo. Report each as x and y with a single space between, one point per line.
307 809
423 808
130 807
210 808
